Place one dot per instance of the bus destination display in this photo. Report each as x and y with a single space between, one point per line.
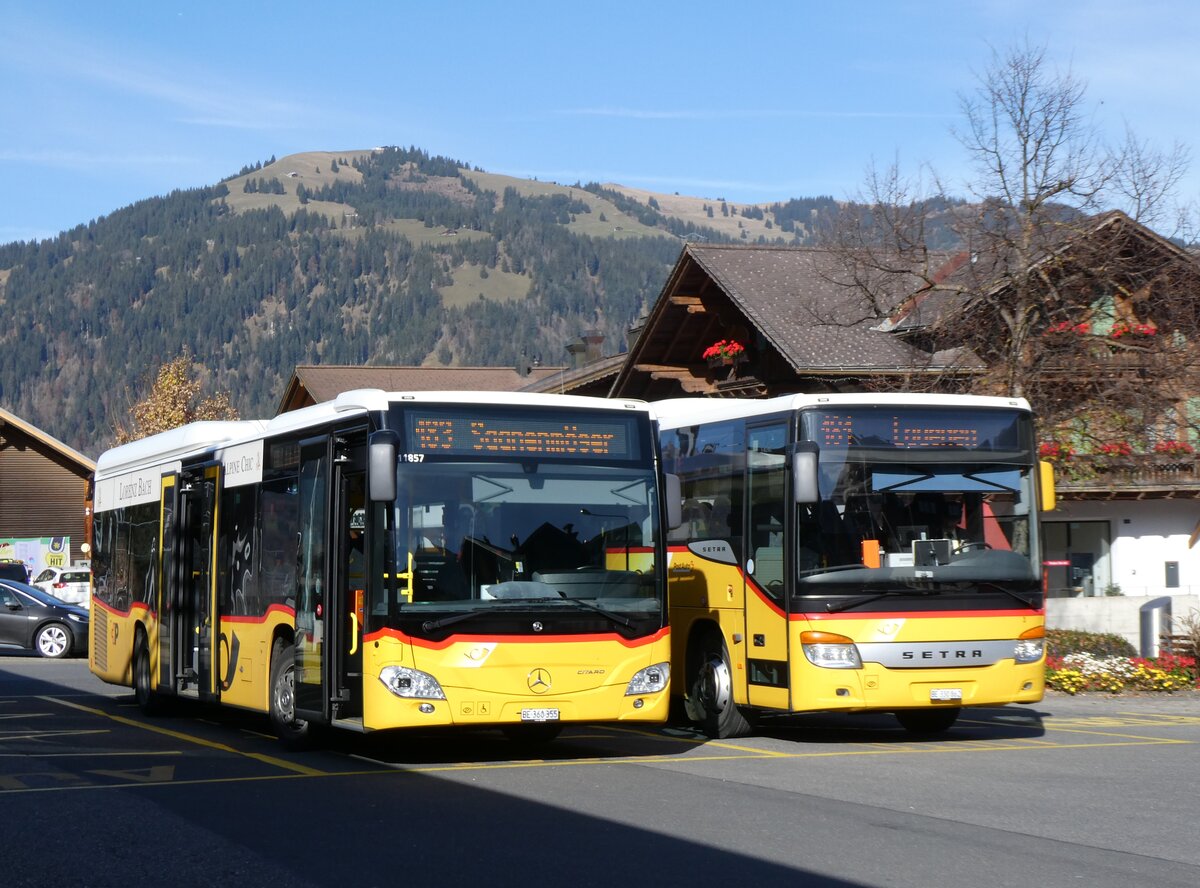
481 434
916 429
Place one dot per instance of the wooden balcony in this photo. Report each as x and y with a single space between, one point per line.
1140 476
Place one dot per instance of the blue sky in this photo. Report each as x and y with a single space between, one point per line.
108 103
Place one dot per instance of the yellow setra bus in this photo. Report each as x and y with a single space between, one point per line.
855 553
391 560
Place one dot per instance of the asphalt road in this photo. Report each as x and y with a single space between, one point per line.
1095 791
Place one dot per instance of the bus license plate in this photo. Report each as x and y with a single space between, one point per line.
539 715
944 694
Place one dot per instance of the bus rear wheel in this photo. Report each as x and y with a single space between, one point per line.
294 733
148 700
927 721
710 691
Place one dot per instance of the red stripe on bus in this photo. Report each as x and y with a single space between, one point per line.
288 612
919 615
457 638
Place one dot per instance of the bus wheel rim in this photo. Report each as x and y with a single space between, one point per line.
715 685
285 701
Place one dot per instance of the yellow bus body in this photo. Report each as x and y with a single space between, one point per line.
587 676
712 594
586 679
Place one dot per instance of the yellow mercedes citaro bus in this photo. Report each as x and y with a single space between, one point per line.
855 553
392 560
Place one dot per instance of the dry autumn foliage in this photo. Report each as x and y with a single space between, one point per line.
174 400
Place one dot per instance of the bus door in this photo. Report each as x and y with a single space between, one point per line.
348 591
193 619
168 582
312 586
768 522
328 682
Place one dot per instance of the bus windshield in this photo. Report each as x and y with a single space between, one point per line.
919 495
493 535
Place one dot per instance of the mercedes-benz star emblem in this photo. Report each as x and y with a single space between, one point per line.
539 681
537 626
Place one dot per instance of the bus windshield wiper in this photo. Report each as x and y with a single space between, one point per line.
591 605
815 571
430 625
1009 592
867 599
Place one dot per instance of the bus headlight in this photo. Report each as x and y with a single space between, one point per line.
405 682
1030 646
649 680
830 650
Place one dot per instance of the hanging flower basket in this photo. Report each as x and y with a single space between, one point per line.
1173 448
1055 451
724 353
1133 332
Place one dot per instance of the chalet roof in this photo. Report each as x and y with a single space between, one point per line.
794 310
794 298
963 275
313 384
83 465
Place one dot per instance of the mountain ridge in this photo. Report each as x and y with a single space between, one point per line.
371 256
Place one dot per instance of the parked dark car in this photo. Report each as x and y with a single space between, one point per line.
35 621
11 569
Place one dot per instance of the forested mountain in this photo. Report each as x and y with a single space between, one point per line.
389 256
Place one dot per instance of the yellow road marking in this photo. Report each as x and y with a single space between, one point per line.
187 738
735 752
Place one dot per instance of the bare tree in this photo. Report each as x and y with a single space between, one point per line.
1045 281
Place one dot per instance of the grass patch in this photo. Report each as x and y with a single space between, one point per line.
614 224
498 286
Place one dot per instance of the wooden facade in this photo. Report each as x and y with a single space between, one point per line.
44 485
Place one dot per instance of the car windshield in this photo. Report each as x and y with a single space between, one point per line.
45 576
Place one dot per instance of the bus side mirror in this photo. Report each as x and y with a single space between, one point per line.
806 486
1046 485
673 495
381 466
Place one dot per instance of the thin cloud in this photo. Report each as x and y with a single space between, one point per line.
746 114
202 98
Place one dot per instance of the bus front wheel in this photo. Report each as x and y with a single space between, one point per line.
710 691
293 732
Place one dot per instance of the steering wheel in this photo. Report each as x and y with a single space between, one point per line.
973 544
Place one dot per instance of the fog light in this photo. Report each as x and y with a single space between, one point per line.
843 692
639 703
426 708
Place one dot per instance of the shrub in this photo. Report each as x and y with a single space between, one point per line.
1062 642
1093 661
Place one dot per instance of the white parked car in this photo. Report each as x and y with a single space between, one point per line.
72 585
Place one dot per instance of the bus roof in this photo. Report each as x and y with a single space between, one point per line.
198 438
676 412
